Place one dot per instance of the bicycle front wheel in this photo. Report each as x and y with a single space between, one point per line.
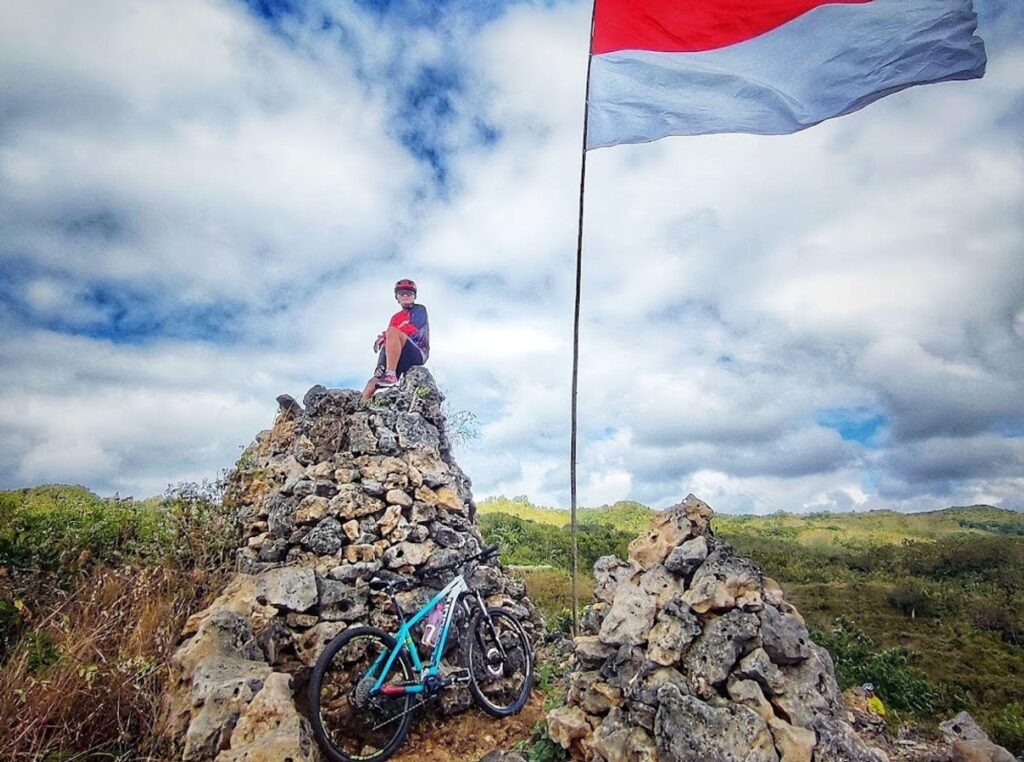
500 662
348 723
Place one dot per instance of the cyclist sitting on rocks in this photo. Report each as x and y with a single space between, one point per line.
404 344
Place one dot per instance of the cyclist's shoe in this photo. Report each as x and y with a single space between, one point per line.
388 379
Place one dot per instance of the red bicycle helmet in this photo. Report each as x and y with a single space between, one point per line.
407 284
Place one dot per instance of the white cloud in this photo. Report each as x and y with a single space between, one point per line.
158 161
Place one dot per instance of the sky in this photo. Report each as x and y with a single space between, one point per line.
204 204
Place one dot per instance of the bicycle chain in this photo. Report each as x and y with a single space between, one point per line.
399 716
457 681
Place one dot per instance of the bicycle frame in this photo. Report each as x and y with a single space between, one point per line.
450 594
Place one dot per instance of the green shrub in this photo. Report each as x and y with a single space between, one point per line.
205 531
41 650
531 543
1008 729
540 747
997 614
859 660
56 528
51 536
914 599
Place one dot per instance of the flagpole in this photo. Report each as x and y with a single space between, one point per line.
576 336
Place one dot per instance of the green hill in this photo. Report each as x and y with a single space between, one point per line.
876 527
626 515
869 527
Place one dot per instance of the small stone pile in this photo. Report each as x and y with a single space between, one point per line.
691 654
338 491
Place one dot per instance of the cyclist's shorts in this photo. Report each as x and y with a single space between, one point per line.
411 356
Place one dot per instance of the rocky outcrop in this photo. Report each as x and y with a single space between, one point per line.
336 492
690 654
969 743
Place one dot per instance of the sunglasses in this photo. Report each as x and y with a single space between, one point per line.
405 292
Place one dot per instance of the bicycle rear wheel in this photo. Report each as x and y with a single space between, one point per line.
500 662
349 724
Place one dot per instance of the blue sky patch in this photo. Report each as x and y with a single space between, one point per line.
861 425
115 312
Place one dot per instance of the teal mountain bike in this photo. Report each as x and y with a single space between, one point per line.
367 683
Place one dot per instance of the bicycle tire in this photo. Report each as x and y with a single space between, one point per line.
352 730
493 680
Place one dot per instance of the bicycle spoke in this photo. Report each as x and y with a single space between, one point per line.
355 723
500 663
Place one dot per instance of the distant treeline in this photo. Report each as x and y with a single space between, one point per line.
530 543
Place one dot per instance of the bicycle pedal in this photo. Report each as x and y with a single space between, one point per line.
458 677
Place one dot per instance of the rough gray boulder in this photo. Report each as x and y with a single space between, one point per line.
336 492
690 654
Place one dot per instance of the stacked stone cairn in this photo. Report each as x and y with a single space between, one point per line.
691 654
338 491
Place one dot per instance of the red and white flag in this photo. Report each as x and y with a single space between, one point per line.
691 67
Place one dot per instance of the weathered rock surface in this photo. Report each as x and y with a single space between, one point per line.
689 654
969 743
335 492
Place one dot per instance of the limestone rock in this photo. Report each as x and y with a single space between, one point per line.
609 573
748 693
673 633
758 666
289 587
325 538
615 741
325 503
784 637
270 729
810 690
661 584
668 529
724 581
794 744
688 730
969 742
408 554
688 647
567 724
838 743
311 509
979 751
594 696
351 502
716 651
590 650
389 521
630 618
684 559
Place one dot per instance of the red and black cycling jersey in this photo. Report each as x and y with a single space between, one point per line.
413 323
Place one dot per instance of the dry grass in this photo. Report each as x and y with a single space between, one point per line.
85 682
551 592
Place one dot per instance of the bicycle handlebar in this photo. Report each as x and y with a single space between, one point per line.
484 555
381 583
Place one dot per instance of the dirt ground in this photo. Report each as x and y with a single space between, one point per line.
470 735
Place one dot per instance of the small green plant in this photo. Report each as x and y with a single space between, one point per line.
563 622
41 650
550 684
1008 729
462 426
540 747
